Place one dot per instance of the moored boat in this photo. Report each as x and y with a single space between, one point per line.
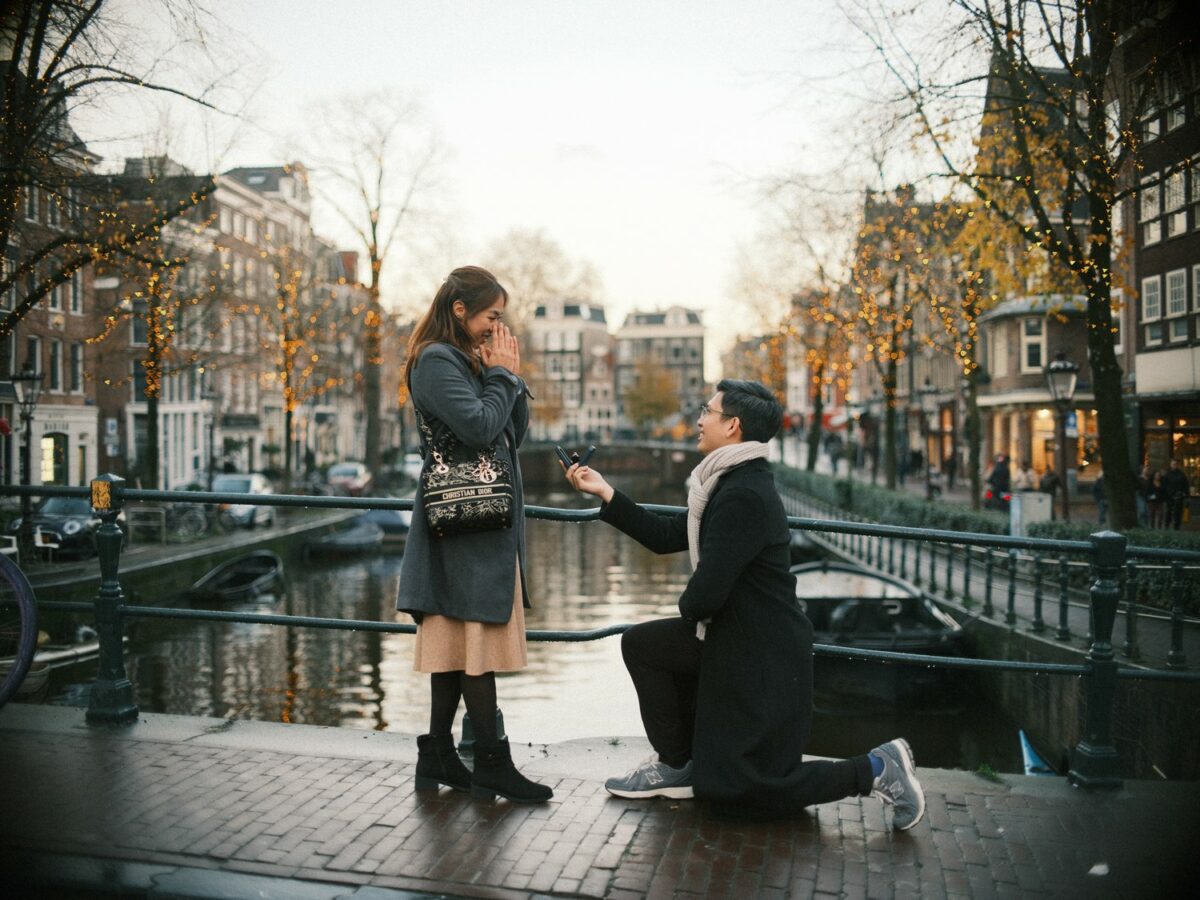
242 578
850 606
393 522
1033 761
365 537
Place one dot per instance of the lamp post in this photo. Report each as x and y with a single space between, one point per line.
28 386
1061 377
928 409
212 398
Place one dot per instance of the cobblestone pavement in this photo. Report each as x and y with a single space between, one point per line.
333 811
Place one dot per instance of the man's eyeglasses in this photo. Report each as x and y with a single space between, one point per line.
705 409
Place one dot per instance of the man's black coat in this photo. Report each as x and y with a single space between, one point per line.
754 698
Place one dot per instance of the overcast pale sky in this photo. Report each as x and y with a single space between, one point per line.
625 129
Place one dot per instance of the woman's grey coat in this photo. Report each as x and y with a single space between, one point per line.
468 576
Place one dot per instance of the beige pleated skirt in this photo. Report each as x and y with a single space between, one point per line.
452 645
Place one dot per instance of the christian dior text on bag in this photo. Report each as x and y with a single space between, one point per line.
464 491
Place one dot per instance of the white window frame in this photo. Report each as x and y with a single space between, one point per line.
1149 209
33 353
1175 294
54 297
1175 203
998 358
77 292
1028 341
1176 109
31 204
1152 288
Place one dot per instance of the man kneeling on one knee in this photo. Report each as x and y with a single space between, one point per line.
725 689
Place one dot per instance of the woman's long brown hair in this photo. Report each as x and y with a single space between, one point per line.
478 289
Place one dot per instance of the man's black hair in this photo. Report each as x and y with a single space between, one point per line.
754 404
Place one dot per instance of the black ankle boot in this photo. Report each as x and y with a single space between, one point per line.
438 763
495 774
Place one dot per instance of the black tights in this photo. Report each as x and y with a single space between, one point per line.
479 692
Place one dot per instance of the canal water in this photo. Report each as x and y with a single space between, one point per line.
581 576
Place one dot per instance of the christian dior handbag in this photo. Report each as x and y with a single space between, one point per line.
464 491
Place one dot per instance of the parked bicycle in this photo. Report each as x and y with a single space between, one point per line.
18 628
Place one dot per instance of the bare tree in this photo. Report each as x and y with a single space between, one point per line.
55 55
1047 75
375 160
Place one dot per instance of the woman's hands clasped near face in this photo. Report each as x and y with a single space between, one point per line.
502 349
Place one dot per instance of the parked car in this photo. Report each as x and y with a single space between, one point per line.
412 465
351 478
245 514
68 522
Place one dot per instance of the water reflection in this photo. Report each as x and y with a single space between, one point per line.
581 576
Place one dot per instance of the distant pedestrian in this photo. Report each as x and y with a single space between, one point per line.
1024 480
1156 501
1143 488
951 468
1175 483
1100 495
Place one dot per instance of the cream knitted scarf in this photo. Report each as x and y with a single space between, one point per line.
704 479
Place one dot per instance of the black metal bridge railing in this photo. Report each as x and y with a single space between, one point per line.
1094 759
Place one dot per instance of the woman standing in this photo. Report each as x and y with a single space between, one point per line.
467 592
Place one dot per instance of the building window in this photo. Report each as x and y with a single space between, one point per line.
54 458
998 358
1148 210
55 297
76 378
1152 308
1173 99
33 353
31 204
55 366
1196 289
1175 204
9 296
1176 305
1033 345
53 214
77 293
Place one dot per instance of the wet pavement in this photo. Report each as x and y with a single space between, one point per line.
189 807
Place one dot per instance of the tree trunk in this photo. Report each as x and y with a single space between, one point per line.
974 443
818 413
149 465
371 378
289 447
889 425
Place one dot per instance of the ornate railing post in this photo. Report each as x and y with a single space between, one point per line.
968 600
989 565
1010 609
1094 761
1064 580
1130 650
1176 658
111 700
1039 624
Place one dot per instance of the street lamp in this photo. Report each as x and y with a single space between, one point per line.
28 386
928 410
212 398
1061 377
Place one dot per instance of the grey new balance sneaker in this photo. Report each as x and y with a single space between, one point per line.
653 779
897 786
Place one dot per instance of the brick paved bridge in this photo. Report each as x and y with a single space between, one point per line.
188 807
